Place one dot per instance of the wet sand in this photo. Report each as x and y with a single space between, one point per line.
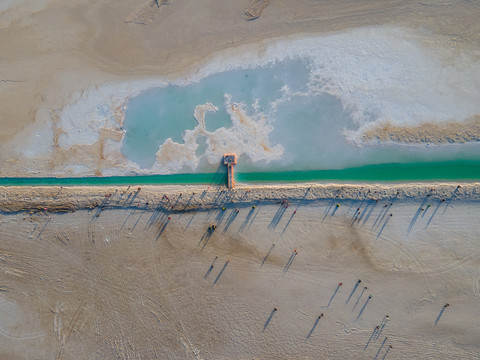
135 282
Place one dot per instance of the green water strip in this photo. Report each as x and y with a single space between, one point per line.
461 170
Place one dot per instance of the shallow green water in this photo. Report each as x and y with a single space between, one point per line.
466 170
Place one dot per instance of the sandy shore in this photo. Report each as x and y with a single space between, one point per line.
122 282
195 197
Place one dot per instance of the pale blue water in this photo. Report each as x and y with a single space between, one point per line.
309 124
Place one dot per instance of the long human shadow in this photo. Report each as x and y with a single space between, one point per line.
269 319
162 227
288 223
334 293
247 219
210 268
314 325
386 352
277 217
433 214
367 214
417 214
253 220
363 308
359 297
269 251
372 335
302 200
381 215
353 291
335 209
189 222
156 214
206 236
220 216
439 315
380 349
382 326
328 208
187 204
383 226
231 218
141 214
44 226
289 262
221 271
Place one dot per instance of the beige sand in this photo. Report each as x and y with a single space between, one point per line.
125 283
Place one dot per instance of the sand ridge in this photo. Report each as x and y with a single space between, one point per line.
174 198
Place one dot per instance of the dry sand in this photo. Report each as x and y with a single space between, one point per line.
124 282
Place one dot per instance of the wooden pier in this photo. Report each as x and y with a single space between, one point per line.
230 160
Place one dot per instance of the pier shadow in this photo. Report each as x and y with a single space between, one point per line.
363 308
353 291
334 293
269 319
269 251
314 325
221 272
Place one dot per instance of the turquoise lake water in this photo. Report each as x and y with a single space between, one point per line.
448 171
305 124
